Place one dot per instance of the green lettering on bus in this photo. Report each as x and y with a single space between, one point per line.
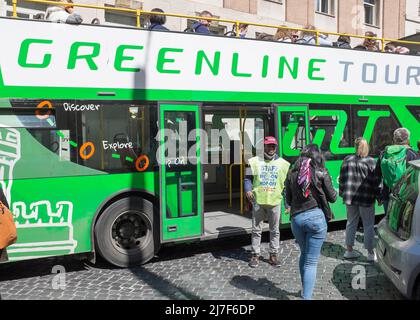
264 70
293 71
373 116
312 69
338 135
235 63
213 66
162 60
120 58
24 50
74 54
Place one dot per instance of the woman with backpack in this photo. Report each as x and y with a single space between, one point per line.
392 163
309 190
359 188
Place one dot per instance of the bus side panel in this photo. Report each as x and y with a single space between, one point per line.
54 215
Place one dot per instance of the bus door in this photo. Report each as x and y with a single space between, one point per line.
180 172
293 133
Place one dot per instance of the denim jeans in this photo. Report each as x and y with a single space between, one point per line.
368 218
310 231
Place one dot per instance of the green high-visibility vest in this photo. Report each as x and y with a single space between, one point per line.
268 180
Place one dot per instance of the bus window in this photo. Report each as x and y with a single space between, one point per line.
27 118
224 133
293 133
33 135
376 124
179 126
415 111
114 135
330 129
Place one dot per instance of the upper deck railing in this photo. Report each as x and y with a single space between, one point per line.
138 13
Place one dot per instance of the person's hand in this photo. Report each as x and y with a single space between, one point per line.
287 211
250 196
380 203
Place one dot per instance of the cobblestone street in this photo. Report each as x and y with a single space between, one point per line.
208 270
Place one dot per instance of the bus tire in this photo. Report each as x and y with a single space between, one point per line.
126 233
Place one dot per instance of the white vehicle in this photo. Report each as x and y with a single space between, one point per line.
398 247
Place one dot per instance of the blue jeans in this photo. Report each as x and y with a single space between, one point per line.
310 231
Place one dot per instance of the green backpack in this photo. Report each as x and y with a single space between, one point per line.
393 164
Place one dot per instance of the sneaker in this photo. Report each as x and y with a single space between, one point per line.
372 257
351 255
255 260
274 260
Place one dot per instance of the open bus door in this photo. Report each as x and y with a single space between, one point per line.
293 132
180 172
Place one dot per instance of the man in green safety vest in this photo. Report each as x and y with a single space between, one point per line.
264 184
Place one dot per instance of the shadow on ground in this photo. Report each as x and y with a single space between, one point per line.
362 281
261 287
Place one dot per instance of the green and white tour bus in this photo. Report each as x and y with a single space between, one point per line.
83 165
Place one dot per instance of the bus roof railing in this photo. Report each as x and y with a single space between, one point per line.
140 12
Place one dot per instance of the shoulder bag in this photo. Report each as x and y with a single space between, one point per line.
8 234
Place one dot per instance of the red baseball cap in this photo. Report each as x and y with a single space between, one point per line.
270 140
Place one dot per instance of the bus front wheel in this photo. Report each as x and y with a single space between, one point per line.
124 233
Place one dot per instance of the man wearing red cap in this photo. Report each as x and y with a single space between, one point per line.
264 184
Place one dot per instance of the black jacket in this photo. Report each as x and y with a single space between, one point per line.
322 192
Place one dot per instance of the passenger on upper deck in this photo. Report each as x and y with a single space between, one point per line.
369 44
202 26
343 42
243 30
309 37
392 48
157 21
63 14
286 35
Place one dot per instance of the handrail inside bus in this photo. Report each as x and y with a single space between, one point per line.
139 12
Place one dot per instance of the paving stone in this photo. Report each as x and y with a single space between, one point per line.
211 270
